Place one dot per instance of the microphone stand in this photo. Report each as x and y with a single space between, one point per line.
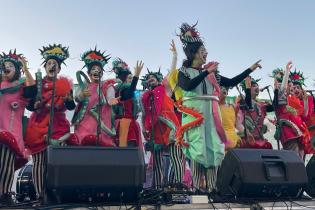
274 108
51 111
1 73
99 110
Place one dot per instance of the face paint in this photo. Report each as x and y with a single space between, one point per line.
95 73
9 71
152 81
201 55
52 68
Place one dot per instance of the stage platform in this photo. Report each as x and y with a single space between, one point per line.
271 205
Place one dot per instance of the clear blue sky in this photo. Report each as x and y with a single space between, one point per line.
236 32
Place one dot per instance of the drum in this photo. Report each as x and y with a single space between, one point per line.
24 185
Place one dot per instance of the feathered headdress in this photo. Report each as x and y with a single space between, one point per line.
92 57
120 67
297 78
253 81
12 57
158 75
57 52
189 34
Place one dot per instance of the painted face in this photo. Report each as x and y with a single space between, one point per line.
96 73
255 90
297 91
201 55
152 81
9 71
129 78
52 67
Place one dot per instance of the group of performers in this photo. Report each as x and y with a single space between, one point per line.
184 113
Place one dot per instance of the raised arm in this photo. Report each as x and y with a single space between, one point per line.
174 58
284 84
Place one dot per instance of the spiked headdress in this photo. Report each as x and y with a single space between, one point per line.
158 75
94 57
120 67
12 57
189 34
278 74
297 78
57 52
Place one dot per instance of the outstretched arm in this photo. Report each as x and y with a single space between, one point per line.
239 78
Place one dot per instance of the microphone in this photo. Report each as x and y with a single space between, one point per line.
263 89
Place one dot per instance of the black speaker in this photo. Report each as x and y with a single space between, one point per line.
94 174
260 173
310 170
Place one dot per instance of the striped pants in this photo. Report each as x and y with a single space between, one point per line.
7 158
177 159
204 177
38 171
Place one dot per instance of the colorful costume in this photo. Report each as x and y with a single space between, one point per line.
85 119
291 130
14 96
229 120
126 111
305 110
38 126
160 123
205 136
254 120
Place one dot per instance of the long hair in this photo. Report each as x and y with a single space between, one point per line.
190 51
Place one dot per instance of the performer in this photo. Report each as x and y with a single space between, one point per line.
201 88
160 124
291 130
230 121
306 104
39 128
255 116
15 93
95 102
126 111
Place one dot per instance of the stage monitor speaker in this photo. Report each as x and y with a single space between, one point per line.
94 174
310 170
261 173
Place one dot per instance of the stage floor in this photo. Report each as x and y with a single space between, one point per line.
277 205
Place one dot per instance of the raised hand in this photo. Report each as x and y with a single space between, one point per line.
173 48
138 68
289 66
256 65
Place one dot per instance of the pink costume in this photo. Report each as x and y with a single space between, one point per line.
85 119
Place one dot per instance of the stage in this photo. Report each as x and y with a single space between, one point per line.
276 205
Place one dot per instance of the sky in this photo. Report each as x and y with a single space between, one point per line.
236 33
